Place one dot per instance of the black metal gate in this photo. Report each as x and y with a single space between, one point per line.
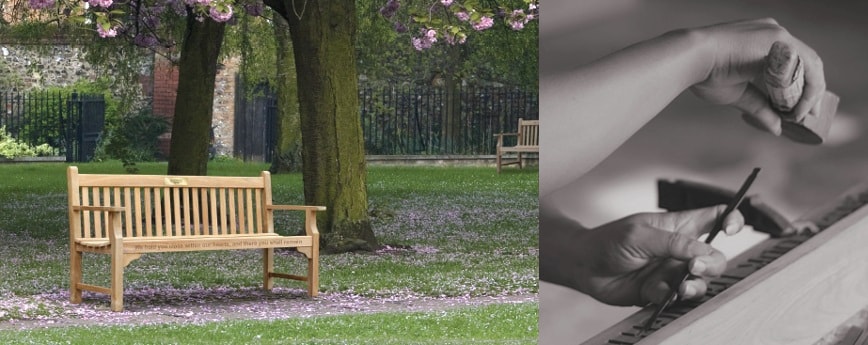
255 124
72 124
89 112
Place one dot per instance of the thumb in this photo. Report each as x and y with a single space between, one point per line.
757 110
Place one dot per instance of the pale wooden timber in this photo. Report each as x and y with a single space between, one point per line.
798 298
126 216
527 141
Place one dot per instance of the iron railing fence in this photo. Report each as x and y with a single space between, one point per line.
405 120
70 123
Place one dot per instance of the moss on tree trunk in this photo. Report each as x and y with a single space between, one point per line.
197 71
333 155
287 150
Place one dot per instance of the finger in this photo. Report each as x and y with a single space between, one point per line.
664 244
733 223
708 266
694 223
692 288
757 110
662 281
815 83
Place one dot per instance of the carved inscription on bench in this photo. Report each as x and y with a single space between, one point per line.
225 244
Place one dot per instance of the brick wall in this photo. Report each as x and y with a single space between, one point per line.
164 91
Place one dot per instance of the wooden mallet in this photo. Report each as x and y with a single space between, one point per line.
784 80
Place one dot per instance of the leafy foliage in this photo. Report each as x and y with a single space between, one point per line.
12 148
134 139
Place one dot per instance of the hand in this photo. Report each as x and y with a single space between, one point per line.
632 261
737 52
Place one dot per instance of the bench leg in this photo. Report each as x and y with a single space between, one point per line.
498 160
519 160
268 268
74 276
117 287
313 276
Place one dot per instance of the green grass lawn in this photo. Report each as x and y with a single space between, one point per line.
494 324
454 231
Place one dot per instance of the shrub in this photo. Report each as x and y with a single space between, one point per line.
12 148
134 139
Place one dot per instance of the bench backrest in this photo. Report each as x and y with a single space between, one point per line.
528 132
163 206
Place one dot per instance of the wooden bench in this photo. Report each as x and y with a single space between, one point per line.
126 216
527 141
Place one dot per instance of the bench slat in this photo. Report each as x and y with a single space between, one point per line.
233 227
128 213
85 201
158 181
158 212
249 199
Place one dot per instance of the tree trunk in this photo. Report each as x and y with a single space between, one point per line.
333 154
197 70
287 150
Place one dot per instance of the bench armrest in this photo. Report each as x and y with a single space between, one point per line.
98 208
114 230
295 208
504 134
309 216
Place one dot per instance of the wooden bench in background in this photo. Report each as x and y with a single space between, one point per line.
527 141
126 216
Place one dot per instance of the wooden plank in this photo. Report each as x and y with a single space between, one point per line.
85 201
97 216
249 199
212 199
167 210
176 207
796 299
260 211
221 192
186 208
205 212
137 211
216 242
148 205
197 222
128 213
158 181
233 226
242 228
158 212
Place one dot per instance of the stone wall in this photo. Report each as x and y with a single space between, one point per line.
223 121
26 67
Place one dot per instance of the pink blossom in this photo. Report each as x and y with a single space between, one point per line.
220 16
463 16
100 3
446 3
103 32
483 23
518 19
40 4
428 38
